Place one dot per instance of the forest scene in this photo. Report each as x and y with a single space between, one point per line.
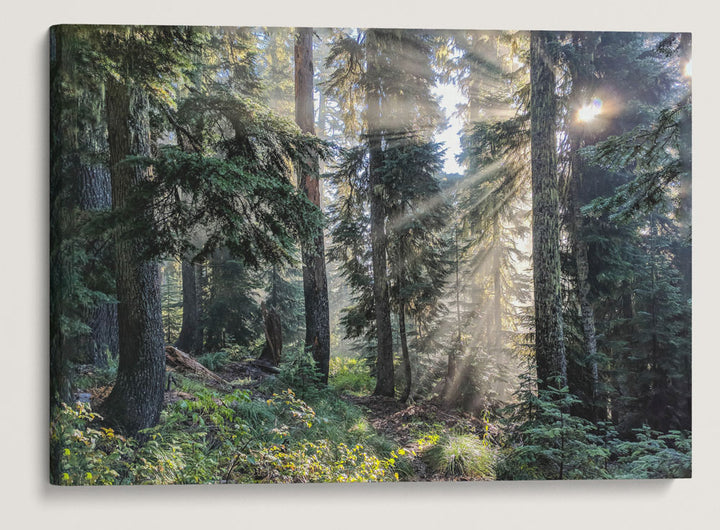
291 255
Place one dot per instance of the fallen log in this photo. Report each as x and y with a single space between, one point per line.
265 366
181 362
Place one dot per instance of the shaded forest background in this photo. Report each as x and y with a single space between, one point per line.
595 372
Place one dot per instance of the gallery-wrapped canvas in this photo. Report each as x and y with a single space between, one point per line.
365 254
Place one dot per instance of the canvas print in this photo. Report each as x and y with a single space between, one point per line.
290 255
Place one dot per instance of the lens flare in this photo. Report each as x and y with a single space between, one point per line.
590 111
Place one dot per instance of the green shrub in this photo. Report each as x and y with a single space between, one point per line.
221 437
297 371
654 455
544 441
320 461
350 375
214 361
87 455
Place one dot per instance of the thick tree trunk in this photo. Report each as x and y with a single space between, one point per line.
190 339
549 347
136 399
86 177
317 312
95 194
385 372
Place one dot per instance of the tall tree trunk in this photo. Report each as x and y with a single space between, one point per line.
497 338
136 399
95 194
582 266
317 311
684 213
385 385
402 328
580 250
549 346
450 390
407 367
190 339
581 70
84 143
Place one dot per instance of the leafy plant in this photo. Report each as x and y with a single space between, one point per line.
654 455
89 454
351 375
297 371
320 461
214 360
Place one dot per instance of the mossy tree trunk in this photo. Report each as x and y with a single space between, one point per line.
94 194
549 346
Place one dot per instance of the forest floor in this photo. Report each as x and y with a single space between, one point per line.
401 422
408 429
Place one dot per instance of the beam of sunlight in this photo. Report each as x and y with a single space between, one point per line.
434 201
590 111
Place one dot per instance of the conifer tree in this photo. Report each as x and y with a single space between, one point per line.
317 312
549 345
390 71
493 207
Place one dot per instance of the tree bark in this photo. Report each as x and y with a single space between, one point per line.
137 397
272 351
402 329
190 339
317 312
581 78
456 350
549 346
582 266
95 194
385 372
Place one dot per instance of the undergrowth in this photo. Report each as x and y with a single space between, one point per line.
351 376
293 430
308 436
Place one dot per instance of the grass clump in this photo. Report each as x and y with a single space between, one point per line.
461 456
